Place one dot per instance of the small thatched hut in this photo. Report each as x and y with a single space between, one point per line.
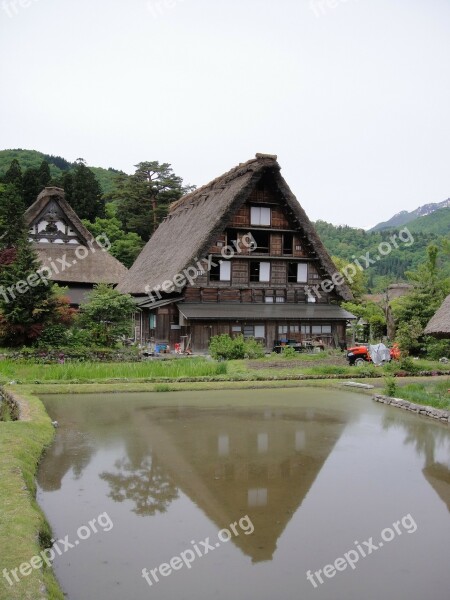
69 252
439 326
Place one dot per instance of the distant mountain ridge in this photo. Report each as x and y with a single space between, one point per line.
404 216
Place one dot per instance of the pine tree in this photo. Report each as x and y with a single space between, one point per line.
27 302
83 192
14 174
30 185
143 199
12 223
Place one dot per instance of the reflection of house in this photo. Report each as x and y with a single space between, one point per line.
64 245
261 289
232 465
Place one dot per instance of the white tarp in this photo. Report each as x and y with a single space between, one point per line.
379 354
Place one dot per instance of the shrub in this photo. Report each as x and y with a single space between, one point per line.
223 347
390 386
288 352
253 349
407 364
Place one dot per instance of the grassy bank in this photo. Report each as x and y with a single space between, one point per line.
434 393
22 524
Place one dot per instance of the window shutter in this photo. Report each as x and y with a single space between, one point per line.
302 272
225 271
264 271
265 216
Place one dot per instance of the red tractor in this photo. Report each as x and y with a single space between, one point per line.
359 355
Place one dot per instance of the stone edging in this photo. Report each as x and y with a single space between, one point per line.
427 411
12 402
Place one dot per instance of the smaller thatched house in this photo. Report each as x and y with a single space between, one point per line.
68 252
439 326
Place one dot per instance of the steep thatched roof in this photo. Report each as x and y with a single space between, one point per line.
195 220
439 326
98 265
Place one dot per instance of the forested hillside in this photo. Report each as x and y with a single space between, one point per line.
32 159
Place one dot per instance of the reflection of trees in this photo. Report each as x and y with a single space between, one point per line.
147 484
70 450
421 434
426 439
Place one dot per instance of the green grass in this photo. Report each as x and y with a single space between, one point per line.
27 371
22 523
435 395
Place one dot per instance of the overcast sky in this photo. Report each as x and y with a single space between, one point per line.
352 95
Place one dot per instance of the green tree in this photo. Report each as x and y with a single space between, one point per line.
143 199
28 303
83 192
357 283
12 225
107 314
373 314
414 310
124 246
14 174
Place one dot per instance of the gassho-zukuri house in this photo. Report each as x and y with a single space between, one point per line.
237 256
71 255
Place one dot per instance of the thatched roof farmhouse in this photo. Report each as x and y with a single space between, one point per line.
73 257
259 291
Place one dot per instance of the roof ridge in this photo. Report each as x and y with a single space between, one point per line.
233 173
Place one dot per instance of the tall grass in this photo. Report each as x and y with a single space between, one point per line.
173 369
436 395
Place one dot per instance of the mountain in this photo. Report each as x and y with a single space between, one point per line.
437 222
32 159
351 244
404 217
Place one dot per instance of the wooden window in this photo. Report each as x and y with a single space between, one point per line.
282 329
288 243
260 215
221 272
262 242
297 272
325 329
294 328
256 331
260 331
260 271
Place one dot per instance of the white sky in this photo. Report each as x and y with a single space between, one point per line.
355 101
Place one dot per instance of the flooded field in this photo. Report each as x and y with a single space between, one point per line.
289 494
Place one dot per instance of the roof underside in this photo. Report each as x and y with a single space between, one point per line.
194 221
264 312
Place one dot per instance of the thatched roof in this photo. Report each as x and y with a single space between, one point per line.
98 265
195 220
439 326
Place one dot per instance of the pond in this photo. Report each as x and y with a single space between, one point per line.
283 494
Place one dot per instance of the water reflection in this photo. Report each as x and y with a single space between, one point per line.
145 483
229 463
314 474
432 443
